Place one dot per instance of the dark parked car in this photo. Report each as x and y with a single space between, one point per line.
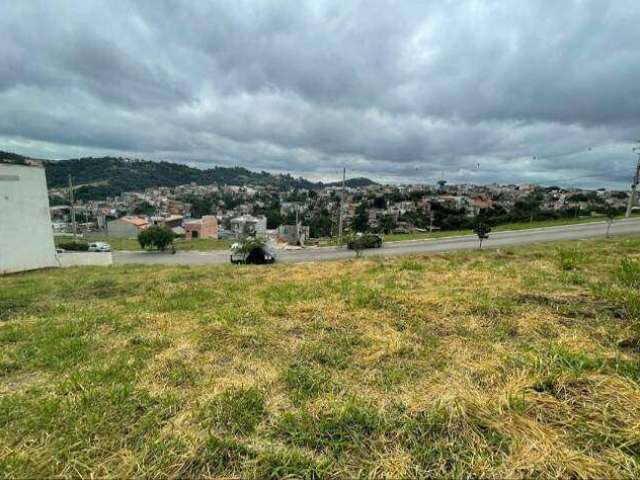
252 251
362 241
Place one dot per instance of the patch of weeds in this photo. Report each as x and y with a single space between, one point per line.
504 329
232 315
397 374
305 383
366 297
149 343
219 456
625 300
576 361
441 445
492 307
105 288
286 293
289 464
232 338
411 266
332 351
569 259
176 372
517 403
349 424
628 273
55 346
116 416
573 278
12 307
236 410
185 300
8 367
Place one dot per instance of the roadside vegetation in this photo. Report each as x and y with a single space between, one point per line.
400 237
181 244
517 363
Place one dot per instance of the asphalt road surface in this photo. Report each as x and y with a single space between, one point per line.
410 247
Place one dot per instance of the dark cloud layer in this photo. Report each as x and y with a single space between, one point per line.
479 90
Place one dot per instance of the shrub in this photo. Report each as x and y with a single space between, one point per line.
156 236
74 246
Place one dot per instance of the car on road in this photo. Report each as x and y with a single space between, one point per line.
99 247
364 240
252 251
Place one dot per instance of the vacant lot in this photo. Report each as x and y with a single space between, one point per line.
517 363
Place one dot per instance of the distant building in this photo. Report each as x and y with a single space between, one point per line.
205 227
26 236
248 226
293 234
126 227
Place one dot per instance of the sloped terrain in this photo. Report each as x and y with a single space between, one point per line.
518 363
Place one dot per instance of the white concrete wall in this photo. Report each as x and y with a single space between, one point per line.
26 238
85 259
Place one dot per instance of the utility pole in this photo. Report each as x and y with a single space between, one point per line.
634 185
344 176
73 209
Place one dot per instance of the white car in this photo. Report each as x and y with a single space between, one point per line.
99 247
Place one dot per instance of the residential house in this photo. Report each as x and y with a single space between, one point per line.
293 234
205 227
248 226
126 227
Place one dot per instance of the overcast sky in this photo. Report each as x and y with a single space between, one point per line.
476 91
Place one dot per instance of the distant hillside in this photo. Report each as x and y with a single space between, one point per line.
109 176
352 182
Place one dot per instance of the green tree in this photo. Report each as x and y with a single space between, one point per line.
388 224
156 236
482 230
361 220
144 208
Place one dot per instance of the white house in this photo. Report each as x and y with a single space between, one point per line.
26 236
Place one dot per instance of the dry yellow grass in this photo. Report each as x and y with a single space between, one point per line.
480 364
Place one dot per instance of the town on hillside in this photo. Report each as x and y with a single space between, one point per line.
304 216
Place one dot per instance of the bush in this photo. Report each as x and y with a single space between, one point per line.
156 236
74 246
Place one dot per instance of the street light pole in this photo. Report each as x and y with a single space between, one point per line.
344 176
73 209
634 185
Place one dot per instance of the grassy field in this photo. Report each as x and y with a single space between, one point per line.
132 244
516 363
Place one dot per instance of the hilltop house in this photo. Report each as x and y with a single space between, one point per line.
205 227
126 227
293 234
248 226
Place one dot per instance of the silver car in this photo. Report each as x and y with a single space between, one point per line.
99 247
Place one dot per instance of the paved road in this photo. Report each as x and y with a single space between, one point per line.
411 247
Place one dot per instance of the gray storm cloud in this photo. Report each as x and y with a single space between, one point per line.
540 91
